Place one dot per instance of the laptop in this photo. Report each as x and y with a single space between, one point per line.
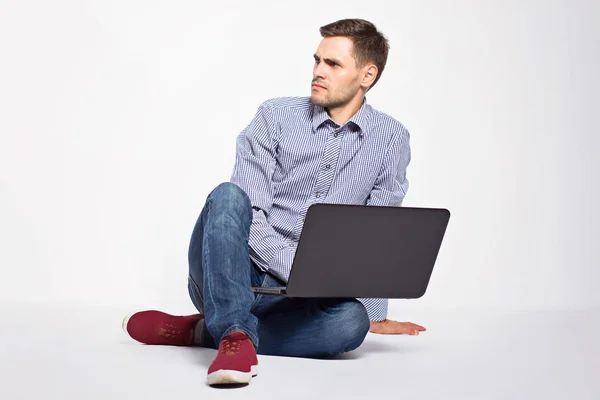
358 251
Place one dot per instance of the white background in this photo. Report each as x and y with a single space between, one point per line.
117 118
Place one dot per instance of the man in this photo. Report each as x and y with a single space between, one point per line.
332 148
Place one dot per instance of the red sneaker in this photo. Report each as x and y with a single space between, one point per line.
156 327
236 361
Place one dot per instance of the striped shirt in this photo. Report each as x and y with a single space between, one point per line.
293 155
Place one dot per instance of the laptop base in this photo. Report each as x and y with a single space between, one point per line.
279 290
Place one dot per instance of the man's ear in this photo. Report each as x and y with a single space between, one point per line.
370 74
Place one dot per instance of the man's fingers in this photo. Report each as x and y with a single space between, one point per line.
411 326
396 327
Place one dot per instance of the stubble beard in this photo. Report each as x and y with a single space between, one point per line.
335 102
337 99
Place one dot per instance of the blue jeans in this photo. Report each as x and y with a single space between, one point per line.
221 277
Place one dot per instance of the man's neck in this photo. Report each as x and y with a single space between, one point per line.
341 115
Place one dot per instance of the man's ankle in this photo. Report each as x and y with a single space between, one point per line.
198 336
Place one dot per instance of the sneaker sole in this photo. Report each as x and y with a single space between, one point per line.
125 322
227 377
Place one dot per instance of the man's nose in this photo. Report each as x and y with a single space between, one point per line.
318 72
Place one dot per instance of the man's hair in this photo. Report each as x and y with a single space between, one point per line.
368 45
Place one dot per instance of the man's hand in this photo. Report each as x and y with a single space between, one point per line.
395 328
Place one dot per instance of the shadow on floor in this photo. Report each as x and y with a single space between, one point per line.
369 347
205 356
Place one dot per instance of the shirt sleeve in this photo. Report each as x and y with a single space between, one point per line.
389 189
391 184
253 172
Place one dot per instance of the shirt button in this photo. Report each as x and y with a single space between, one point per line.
291 244
328 166
335 134
318 194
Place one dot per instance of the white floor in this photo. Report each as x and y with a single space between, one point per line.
70 353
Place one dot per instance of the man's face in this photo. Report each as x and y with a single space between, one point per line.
335 71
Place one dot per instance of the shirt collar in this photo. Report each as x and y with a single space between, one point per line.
359 119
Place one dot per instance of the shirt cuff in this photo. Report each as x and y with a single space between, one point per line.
377 309
281 264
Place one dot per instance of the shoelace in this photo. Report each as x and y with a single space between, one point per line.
170 331
230 347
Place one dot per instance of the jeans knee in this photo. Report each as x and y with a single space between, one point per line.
230 196
360 328
352 328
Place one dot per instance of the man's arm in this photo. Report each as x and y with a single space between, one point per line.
391 184
253 172
389 189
